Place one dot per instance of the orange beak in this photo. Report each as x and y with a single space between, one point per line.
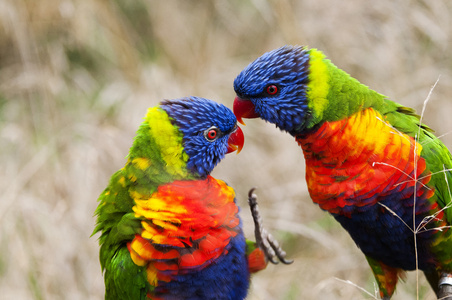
235 141
243 108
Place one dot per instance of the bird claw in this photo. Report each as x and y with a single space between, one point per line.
264 240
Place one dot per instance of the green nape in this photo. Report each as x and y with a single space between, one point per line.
334 95
161 142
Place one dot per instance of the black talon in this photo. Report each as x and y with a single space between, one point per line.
264 240
251 195
280 253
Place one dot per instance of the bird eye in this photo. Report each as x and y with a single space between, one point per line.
211 134
272 89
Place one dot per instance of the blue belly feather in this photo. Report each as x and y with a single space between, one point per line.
226 278
383 236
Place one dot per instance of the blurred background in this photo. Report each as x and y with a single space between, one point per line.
76 78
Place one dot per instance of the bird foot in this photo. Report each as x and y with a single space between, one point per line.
264 240
445 287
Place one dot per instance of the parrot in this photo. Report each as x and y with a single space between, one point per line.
169 230
370 162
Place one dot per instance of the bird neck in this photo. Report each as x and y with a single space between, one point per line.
158 148
333 94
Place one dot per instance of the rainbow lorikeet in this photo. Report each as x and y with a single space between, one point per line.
370 162
168 229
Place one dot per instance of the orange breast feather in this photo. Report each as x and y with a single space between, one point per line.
186 226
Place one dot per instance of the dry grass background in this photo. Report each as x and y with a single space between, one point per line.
76 78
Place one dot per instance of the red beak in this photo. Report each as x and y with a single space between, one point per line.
235 141
243 108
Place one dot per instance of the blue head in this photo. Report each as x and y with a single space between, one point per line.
209 131
273 87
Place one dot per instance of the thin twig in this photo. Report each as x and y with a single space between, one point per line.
415 183
436 138
395 129
423 177
357 286
396 215
400 170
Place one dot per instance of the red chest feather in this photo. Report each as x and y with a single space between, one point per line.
352 161
186 226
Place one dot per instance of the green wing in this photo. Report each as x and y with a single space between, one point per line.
124 279
437 157
116 221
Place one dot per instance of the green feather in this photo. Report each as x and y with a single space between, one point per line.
127 280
